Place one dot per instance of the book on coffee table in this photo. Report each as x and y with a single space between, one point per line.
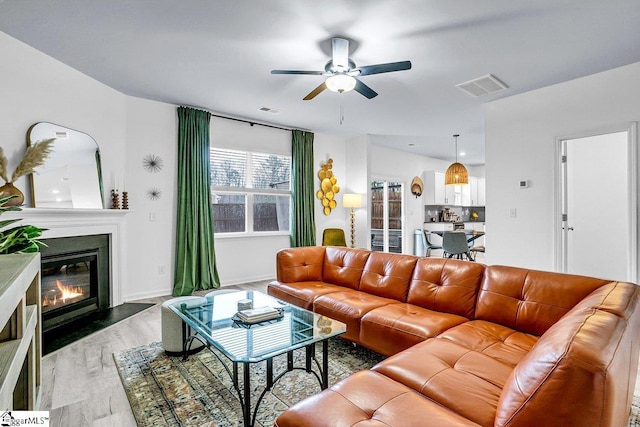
259 314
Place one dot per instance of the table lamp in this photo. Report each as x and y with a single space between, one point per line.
353 201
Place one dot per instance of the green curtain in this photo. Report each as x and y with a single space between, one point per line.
195 255
303 224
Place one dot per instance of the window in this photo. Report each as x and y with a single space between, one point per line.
251 191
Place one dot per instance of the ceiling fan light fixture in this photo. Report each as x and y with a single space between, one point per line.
456 174
340 83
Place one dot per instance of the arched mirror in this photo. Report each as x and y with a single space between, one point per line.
71 177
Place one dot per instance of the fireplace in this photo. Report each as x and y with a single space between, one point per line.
75 279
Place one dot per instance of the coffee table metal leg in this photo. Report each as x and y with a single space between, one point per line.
235 374
246 409
269 373
310 353
325 364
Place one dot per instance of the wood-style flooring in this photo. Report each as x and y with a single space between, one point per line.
80 382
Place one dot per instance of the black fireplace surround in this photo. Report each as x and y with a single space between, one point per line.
75 278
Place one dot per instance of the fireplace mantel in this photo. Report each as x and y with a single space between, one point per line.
63 222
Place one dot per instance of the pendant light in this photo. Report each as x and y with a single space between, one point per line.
456 174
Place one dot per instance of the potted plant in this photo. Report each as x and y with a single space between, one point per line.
21 239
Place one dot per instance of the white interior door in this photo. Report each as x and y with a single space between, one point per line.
598 231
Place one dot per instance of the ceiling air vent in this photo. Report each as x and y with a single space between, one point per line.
483 85
269 110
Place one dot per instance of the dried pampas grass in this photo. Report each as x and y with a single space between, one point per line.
36 155
3 166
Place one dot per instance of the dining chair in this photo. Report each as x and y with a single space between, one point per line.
454 244
333 237
427 243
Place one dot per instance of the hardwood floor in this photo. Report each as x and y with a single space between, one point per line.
80 382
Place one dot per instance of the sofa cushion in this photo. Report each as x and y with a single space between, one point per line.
301 294
343 266
446 285
348 307
588 358
530 301
369 399
387 275
408 324
465 381
496 341
300 264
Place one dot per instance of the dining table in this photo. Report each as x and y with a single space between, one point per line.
471 234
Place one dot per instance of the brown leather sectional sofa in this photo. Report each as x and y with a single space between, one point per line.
468 345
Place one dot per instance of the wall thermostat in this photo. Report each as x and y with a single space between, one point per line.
524 184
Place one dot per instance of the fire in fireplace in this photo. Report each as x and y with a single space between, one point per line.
75 278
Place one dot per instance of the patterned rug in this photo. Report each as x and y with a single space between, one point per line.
165 391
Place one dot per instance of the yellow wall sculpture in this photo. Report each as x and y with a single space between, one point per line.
328 187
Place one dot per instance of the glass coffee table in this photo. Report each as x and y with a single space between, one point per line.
210 320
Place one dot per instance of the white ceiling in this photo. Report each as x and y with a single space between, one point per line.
217 55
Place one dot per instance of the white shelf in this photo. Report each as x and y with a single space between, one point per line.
20 338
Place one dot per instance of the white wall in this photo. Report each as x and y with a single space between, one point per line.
357 157
520 144
151 129
39 88
327 147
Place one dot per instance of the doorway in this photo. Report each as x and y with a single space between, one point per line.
598 221
387 216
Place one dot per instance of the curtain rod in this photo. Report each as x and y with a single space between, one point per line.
241 120
250 122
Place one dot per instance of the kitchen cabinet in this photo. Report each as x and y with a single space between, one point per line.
481 192
436 193
474 193
470 192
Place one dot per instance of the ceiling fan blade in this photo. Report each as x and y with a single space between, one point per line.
365 90
315 92
340 50
384 68
313 73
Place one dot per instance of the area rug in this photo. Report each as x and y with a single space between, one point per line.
166 391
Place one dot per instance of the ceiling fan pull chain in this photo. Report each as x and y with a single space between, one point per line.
341 109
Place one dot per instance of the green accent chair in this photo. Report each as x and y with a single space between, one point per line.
333 237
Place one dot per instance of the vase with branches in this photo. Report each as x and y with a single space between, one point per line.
35 156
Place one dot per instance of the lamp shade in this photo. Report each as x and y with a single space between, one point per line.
456 174
340 83
352 200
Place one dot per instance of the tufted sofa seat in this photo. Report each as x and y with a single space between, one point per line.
468 345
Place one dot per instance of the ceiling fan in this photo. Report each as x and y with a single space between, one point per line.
342 72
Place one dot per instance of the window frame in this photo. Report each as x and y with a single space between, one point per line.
248 191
